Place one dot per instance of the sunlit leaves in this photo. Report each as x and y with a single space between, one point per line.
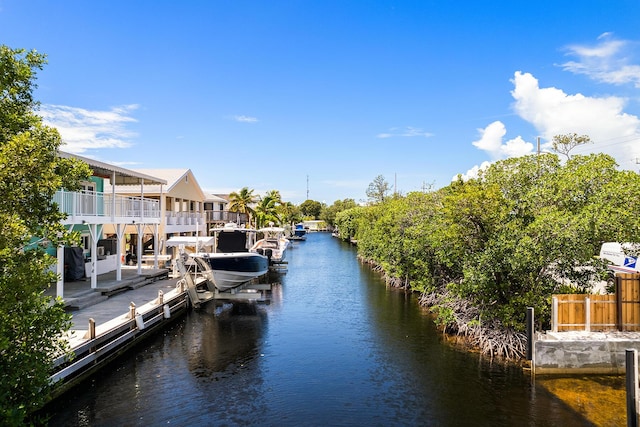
527 227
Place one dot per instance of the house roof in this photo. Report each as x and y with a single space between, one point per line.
214 198
180 183
122 176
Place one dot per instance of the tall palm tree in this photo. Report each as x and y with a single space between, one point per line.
266 210
275 195
242 202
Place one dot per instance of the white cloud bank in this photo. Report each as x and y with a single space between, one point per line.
83 130
553 112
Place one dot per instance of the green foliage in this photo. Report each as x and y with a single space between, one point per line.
563 144
288 213
311 209
526 228
329 213
266 210
31 325
242 202
378 190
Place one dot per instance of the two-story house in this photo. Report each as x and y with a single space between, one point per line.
97 209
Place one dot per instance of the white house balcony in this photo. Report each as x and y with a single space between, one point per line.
105 208
180 222
226 216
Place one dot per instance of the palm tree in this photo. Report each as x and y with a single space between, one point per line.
241 202
275 195
266 210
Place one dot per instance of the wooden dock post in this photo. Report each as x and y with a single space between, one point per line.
631 362
92 329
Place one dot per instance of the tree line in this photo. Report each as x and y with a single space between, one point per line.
270 208
483 250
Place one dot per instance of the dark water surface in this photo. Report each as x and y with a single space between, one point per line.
334 347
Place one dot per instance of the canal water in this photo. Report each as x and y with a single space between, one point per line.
335 347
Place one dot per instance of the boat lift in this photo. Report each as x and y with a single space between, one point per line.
201 288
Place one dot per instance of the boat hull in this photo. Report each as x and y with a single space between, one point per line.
231 270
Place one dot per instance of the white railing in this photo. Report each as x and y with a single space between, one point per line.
225 216
78 205
185 218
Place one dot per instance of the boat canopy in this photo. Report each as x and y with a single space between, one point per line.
191 241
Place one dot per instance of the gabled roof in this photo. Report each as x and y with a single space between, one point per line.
180 182
122 176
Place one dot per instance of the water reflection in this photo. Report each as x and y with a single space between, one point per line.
334 347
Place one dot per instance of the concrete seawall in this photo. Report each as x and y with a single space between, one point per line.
580 352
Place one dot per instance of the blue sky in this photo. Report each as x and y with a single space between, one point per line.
264 94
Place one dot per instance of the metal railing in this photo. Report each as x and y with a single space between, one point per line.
78 205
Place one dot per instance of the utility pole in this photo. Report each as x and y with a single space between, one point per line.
395 184
538 146
307 187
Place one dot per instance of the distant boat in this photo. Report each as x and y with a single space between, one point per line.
299 232
232 263
273 245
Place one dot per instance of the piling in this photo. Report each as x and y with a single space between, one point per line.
632 387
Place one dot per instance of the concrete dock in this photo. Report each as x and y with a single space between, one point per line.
581 352
111 298
112 317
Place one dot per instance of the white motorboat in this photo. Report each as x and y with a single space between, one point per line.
273 245
232 263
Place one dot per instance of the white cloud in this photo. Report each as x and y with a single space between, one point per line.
245 119
606 62
83 130
473 172
553 112
491 142
408 131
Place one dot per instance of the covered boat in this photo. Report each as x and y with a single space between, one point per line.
231 263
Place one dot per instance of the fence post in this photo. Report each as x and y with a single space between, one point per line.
530 332
618 302
587 314
554 314
631 364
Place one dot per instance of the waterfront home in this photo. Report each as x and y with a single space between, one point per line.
181 214
97 207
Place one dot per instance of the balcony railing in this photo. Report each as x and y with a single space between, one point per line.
226 216
185 218
83 204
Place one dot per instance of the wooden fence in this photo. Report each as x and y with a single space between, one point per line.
617 312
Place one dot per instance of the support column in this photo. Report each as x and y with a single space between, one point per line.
60 281
140 230
93 231
156 246
119 235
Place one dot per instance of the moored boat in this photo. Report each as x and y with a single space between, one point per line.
299 232
232 263
273 245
